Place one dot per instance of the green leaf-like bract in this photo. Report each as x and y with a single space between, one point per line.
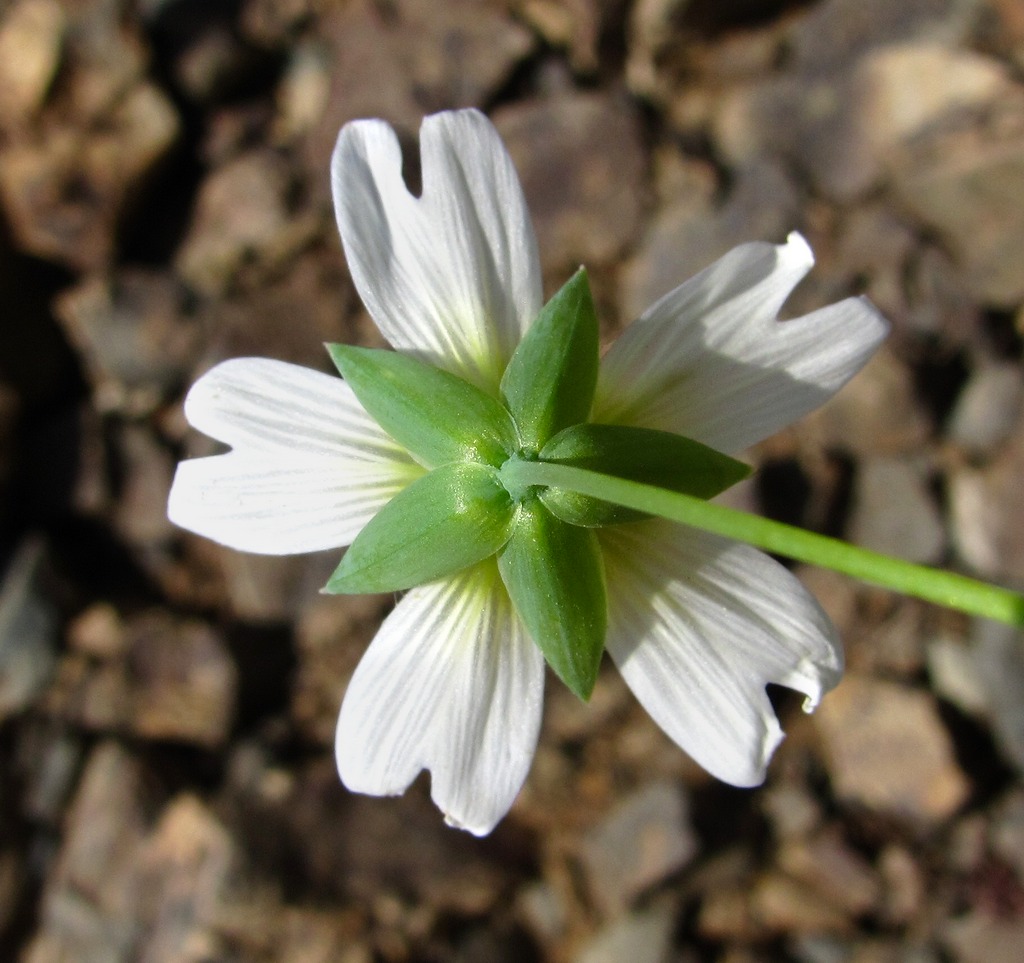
637 454
436 416
447 520
549 383
554 575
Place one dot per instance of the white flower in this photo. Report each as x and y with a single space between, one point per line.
452 683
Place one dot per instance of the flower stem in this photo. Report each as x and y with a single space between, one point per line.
944 588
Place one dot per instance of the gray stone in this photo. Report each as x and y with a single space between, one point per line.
135 334
28 631
998 652
954 674
985 517
988 408
646 838
1006 832
844 30
844 125
965 180
894 513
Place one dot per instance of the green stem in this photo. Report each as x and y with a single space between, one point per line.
944 588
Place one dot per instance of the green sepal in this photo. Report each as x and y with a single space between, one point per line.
554 575
447 520
637 454
435 415
549 383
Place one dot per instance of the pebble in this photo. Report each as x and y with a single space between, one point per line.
988 408
984 504
886 749
1006 832
175 680
239 217
690 234
954 675
135 334
413 59
894 513
966 181
999 662
28 630
833 871
640 937
875 414
842 31
89 896
780 904
644 839
31 40
582 164
979 938
66 195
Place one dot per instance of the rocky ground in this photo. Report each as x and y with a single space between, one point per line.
167 707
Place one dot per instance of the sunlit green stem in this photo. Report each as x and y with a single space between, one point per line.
944 588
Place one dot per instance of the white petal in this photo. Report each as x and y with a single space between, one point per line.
698 625
452 276
254 503
309 467
453 684
711 361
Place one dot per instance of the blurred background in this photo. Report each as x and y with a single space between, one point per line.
167 707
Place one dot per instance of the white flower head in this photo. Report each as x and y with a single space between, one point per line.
453 682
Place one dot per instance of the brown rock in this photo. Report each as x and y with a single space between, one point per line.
31 37
582 164
332 634
66 192
980 938
833 871
782 905
887 749
241 216
904 888
411 59
175 681
876 413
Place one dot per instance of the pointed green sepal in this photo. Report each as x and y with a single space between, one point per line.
637 454
549 383
435 415
447 520
554 575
